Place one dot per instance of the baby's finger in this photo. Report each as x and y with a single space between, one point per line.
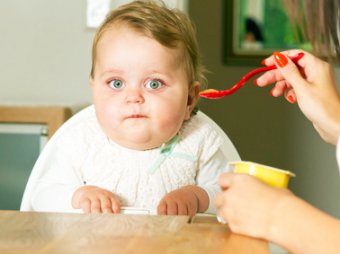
172 208
162 208
115 204
106 205
182 209
192 210
85 205
95 206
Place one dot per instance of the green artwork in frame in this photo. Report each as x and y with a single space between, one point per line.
254 29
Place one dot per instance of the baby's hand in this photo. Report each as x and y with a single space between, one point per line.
92 199
183 201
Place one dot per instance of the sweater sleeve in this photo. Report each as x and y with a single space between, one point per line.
55 186
58 177
56 174
208 175
214 150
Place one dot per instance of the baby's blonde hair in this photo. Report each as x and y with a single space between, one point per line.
171 28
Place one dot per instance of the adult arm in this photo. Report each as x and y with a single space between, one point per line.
254 208
312 85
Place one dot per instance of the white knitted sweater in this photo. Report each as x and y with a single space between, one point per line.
82 154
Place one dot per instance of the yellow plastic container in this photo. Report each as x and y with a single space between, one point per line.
273 176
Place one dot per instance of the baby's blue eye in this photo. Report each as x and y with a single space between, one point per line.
154 84
116 84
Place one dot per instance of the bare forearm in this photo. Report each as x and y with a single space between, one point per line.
301 228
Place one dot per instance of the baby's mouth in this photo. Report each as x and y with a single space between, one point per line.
136 116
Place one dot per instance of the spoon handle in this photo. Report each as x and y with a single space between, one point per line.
216 94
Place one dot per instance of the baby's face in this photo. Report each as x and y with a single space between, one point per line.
140 89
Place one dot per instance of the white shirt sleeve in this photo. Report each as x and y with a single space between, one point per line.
54 178
338 153
216 163
56 182
208 176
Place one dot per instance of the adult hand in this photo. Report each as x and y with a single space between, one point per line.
249 205
92 199
311 84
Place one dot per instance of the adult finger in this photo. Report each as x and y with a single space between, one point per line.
225 180
289 70
268 78
219 199
290 95
291 52
279 88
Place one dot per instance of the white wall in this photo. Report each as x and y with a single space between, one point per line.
45 51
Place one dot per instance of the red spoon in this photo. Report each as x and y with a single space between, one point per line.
216 94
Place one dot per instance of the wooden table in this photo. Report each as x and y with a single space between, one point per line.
34 232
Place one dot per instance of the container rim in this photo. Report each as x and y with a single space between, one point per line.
264 166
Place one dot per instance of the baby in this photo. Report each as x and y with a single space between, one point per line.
141 144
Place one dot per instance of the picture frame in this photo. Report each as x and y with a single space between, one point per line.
239 19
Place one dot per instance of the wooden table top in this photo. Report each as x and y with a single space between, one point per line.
35 232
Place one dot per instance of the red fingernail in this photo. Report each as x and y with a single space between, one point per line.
291 99
255 82
263 62
271 93
280 59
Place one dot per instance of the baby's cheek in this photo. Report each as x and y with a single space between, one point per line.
174 120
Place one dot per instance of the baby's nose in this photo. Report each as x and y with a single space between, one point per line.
134 95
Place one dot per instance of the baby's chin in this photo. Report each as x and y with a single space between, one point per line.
139 145
142 147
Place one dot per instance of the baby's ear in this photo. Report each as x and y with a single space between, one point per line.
192 98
